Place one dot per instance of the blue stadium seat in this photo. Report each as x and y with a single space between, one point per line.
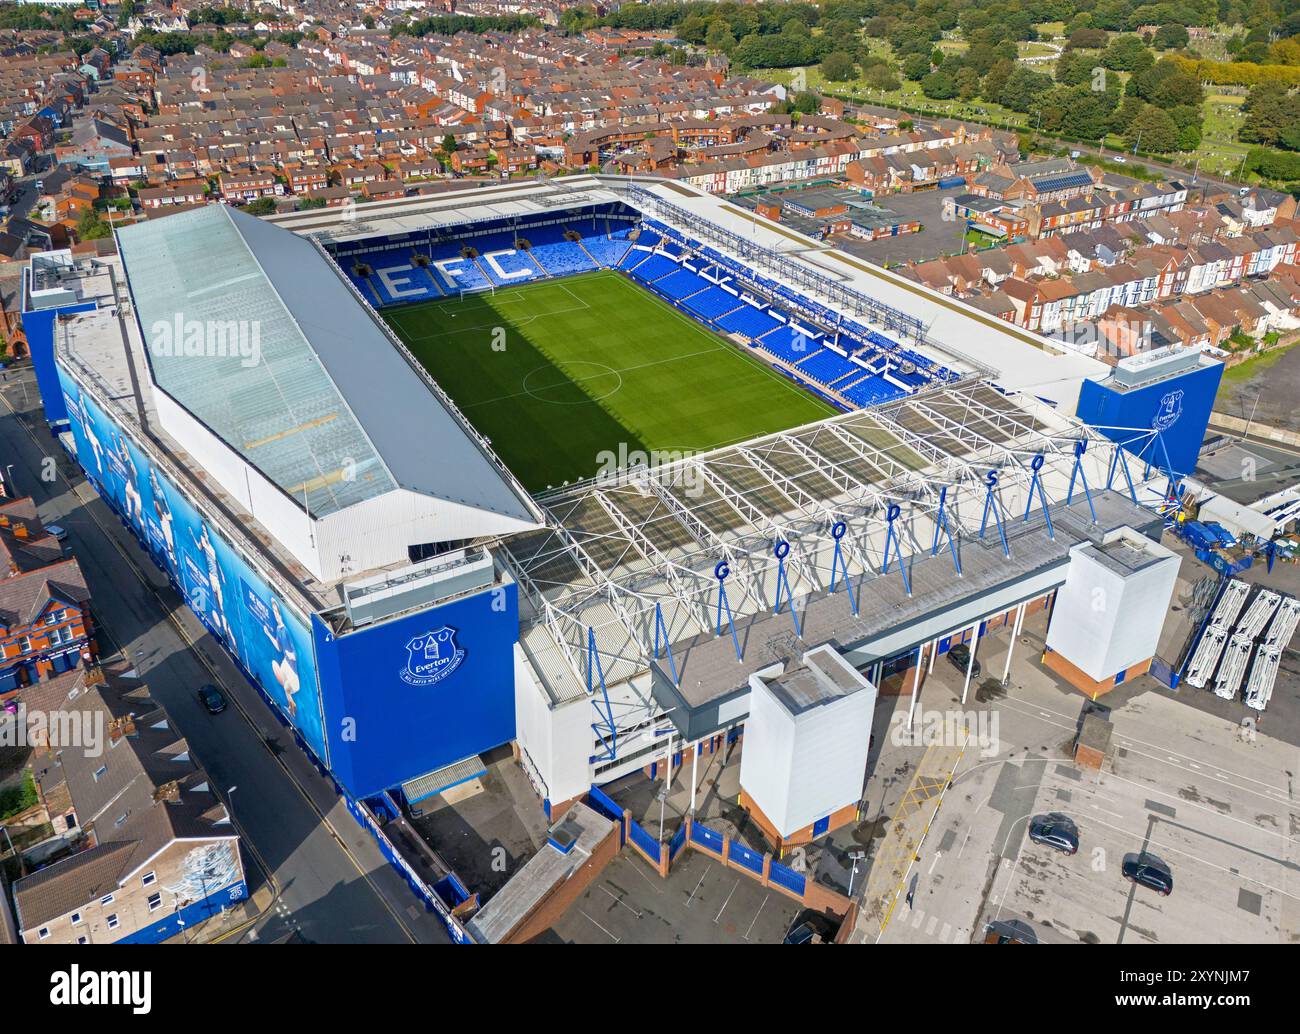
654 267
712 303
681 283
824 366
748 321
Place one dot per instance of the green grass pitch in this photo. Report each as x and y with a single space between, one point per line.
558 372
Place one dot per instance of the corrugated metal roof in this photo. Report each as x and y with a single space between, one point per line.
317 398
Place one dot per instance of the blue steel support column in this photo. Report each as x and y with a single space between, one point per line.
782 550
891 538
941 522
667 644
838 564
1036 485
991 503
593 663
720 572
1119 460
1080 447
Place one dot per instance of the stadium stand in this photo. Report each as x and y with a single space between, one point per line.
690 275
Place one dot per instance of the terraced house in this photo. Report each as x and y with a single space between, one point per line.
45 622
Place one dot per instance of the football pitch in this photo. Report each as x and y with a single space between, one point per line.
569 376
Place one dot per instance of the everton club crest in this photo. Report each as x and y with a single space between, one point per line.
431 657
1171 408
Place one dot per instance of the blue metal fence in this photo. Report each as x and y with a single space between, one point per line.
675 844
706 838
643 840
784 876
604 804
743 856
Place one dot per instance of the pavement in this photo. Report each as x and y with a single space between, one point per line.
701 902
486 830
330 883
1218 806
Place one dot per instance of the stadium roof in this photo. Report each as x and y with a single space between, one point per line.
620 546
318 398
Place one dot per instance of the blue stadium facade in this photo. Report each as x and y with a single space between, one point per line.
389 672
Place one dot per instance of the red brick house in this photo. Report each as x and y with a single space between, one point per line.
45 624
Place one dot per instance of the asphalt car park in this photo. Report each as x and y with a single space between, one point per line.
1231 881
936 237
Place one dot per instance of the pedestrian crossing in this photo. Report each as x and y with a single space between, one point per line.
933 927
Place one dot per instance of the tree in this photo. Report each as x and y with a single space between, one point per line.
838 66
1023 89
1153 130
448 144
90 227
1273 165
1171 36
1128 110
939 86
719 37
260 206
916 67
1087 39
1270 112
882 77
1123 54
995 80
806 103
967 81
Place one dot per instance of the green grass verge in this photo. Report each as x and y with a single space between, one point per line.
557 373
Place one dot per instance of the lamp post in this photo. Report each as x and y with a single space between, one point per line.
857 854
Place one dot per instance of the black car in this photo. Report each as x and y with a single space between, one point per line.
1055 830
801 934
959 658
213 699
1149 871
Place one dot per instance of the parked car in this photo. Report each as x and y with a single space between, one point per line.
213 699
801 934
959 658
60 533
1148 871
1056 831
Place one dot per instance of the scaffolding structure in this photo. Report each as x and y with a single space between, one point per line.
1263 673
1210 648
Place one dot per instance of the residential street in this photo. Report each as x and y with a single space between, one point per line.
331 883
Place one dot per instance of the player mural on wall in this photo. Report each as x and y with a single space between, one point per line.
132 501
255 624
285 666
77 409
206 869
216 585
163 512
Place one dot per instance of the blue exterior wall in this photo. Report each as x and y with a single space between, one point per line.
1179 407
376 706
191 915
38 325
265 636
392 713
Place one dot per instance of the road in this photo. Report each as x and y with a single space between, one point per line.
331 883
